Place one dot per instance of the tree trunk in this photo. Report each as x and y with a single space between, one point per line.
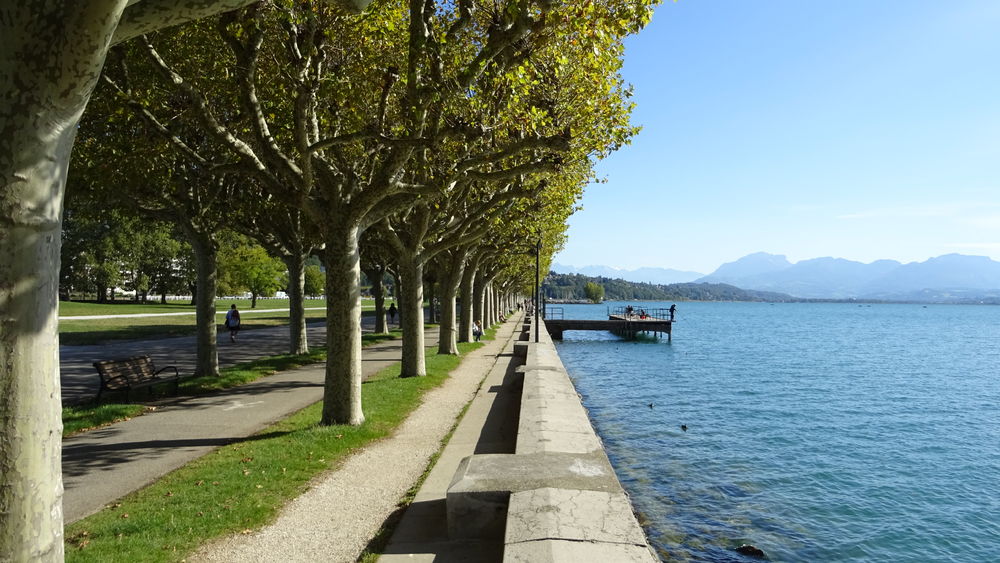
206 256
432 314
253 299
411 312
465 314
449 282
398 294
194 293
298 338
374 275
53 52
342 389
163 297
102 294
479 298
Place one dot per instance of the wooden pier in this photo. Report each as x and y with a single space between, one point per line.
623 321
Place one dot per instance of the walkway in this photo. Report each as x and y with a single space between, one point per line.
80 380
102 465
343 510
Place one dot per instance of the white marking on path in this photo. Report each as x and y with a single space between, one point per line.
242 405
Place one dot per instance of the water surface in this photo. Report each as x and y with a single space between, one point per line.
817 432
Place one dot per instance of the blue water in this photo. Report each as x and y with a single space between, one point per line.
816 432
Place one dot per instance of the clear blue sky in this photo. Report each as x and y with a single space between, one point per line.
859 129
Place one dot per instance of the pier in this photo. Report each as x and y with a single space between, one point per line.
624 321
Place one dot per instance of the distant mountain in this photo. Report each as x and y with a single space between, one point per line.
641 275
757 264
953 277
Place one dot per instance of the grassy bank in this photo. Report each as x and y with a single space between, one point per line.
242 486
81 418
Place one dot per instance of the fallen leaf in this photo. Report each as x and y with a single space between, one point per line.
124 515
246 471
199 483
247 460
169 494
247 531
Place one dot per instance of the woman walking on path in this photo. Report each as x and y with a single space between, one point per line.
233 322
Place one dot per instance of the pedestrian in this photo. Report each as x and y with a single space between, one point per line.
233 322
477 330
392 312
673 309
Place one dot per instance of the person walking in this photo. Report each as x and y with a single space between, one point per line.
233 322
392 312
477 330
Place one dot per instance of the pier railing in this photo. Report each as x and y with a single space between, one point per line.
631 312
553 313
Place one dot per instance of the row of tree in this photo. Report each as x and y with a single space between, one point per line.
116 249
439 142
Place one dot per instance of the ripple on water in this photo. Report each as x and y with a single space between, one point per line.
818 432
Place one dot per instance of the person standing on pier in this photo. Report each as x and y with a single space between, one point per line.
673 309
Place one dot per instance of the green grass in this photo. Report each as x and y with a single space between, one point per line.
80 418
79 308
96 331
242 486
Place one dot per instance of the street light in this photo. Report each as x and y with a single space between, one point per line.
538 313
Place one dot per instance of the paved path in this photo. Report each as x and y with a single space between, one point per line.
102 465
80 380
343 510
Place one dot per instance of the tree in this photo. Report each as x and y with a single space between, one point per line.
314 281
594 292
51 53
246 266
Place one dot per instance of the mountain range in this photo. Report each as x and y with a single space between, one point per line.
659 276
948 278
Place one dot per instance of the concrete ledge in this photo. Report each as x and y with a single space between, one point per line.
563 551
479 494
521 349
557 497
544 523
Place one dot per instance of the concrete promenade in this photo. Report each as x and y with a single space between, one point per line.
523 477
103 465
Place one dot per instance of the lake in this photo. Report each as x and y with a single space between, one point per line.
816 432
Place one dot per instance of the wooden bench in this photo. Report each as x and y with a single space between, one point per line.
137 372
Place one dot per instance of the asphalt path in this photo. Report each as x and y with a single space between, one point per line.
81 382
103 465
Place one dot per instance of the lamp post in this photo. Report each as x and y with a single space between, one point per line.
538 312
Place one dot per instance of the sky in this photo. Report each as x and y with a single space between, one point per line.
857 129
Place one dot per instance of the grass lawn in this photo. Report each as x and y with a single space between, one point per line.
95 331
242 486
78 308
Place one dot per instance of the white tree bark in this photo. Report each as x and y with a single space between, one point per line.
51 54
342 392
450 281
206 255
299 340
466 311
412 317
